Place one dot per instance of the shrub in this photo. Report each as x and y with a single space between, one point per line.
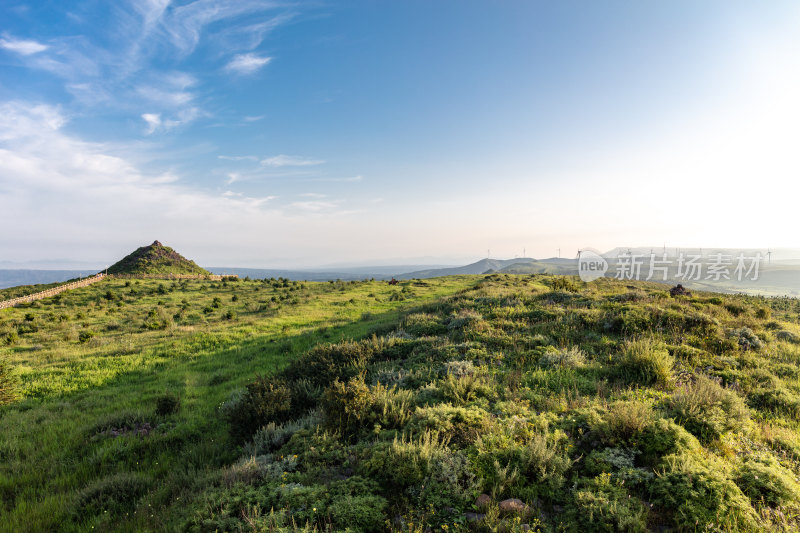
788 336
565 283
600 506
571 357
273 436
420 324
347 406
265 400
12 337
116 494
776 399
545 461
735 308
424 471
765 481
664 437
625 421
462 424
620 463
85 336
362 513
8 383
463 319
167 404
645 362
746 339
326 363
699 496
464 389
707 409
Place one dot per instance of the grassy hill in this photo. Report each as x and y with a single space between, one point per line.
156 259
470 403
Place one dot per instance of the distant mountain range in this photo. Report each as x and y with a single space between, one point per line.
780 274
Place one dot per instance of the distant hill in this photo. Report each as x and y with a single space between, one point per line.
156 259
480 267
542 267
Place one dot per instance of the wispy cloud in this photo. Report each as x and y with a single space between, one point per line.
253 118
290 161
247 63
155 122
22 46
185 24
45 168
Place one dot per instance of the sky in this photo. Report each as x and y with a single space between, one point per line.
277 134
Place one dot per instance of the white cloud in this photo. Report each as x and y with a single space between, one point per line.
22 46
153 121
290 161
59 187
185 24
253 118
247 63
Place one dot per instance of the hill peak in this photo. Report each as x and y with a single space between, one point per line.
156 259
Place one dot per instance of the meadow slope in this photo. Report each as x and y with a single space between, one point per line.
470 403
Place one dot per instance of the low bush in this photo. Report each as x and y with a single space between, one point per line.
272 437
664 437
462 424
707 409
114 494
645 362
571 357
420 324
695 493
625 422
746 339
788 336
326 363
600 505
765 481
777 400
263 401
167 404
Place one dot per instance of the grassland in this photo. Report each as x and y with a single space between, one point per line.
99 358
473 403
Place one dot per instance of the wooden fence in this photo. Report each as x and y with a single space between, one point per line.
51 292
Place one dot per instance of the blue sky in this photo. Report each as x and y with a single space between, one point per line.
256 133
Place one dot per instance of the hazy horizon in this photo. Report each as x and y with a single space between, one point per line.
263 134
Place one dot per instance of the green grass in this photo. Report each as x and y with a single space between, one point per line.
607 406
48 452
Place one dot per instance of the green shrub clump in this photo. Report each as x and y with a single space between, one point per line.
765 481
167 404
696 493
264 400
707 409
645 362
114 494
